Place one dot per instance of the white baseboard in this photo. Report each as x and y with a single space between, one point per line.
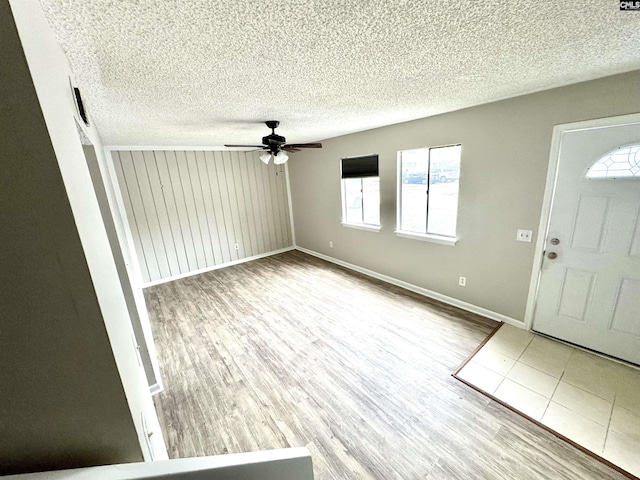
214 267
419 290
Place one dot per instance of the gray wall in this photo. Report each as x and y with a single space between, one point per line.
187 210
62 402
505 153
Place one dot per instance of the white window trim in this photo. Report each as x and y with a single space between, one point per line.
362 226
428 237
425 237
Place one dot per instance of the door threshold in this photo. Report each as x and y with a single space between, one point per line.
589 350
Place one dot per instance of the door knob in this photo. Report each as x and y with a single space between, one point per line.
552 255
554 241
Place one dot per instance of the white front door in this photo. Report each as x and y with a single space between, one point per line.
589 291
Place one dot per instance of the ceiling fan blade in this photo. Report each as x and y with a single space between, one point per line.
245 146
290 149
303 145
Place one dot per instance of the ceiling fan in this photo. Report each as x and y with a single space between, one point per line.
276 145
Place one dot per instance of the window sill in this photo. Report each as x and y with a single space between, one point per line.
362 226
451 241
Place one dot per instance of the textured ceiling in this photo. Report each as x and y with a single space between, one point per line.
207 72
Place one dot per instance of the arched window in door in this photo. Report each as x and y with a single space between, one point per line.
623 162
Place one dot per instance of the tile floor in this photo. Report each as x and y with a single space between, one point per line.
591 400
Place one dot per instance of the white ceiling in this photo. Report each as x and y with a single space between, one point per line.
208 72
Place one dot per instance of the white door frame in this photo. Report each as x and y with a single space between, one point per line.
547 202
131 259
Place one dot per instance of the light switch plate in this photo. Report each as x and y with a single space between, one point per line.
524 235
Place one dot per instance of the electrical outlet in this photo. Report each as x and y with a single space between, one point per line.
330 244
237 247
462 281
524 235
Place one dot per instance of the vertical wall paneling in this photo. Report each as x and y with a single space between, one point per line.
258 183
183 163
152 194
144 198
233 204
216 203
160 212
198 201
275 208
185 221
243 207
225 195
287 194
184 167
144 241
230 163
281 177
181 209
131 216
207 205
251 222
269 205
188 209
277 179
172 214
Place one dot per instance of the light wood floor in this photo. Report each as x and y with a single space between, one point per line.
293 351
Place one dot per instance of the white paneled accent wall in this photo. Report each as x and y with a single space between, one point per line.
187 210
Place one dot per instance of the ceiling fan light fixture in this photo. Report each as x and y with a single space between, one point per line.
265 157
274 144
280 158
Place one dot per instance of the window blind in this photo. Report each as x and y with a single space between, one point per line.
360 167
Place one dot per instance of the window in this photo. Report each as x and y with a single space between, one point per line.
361 191
428 192
619 163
